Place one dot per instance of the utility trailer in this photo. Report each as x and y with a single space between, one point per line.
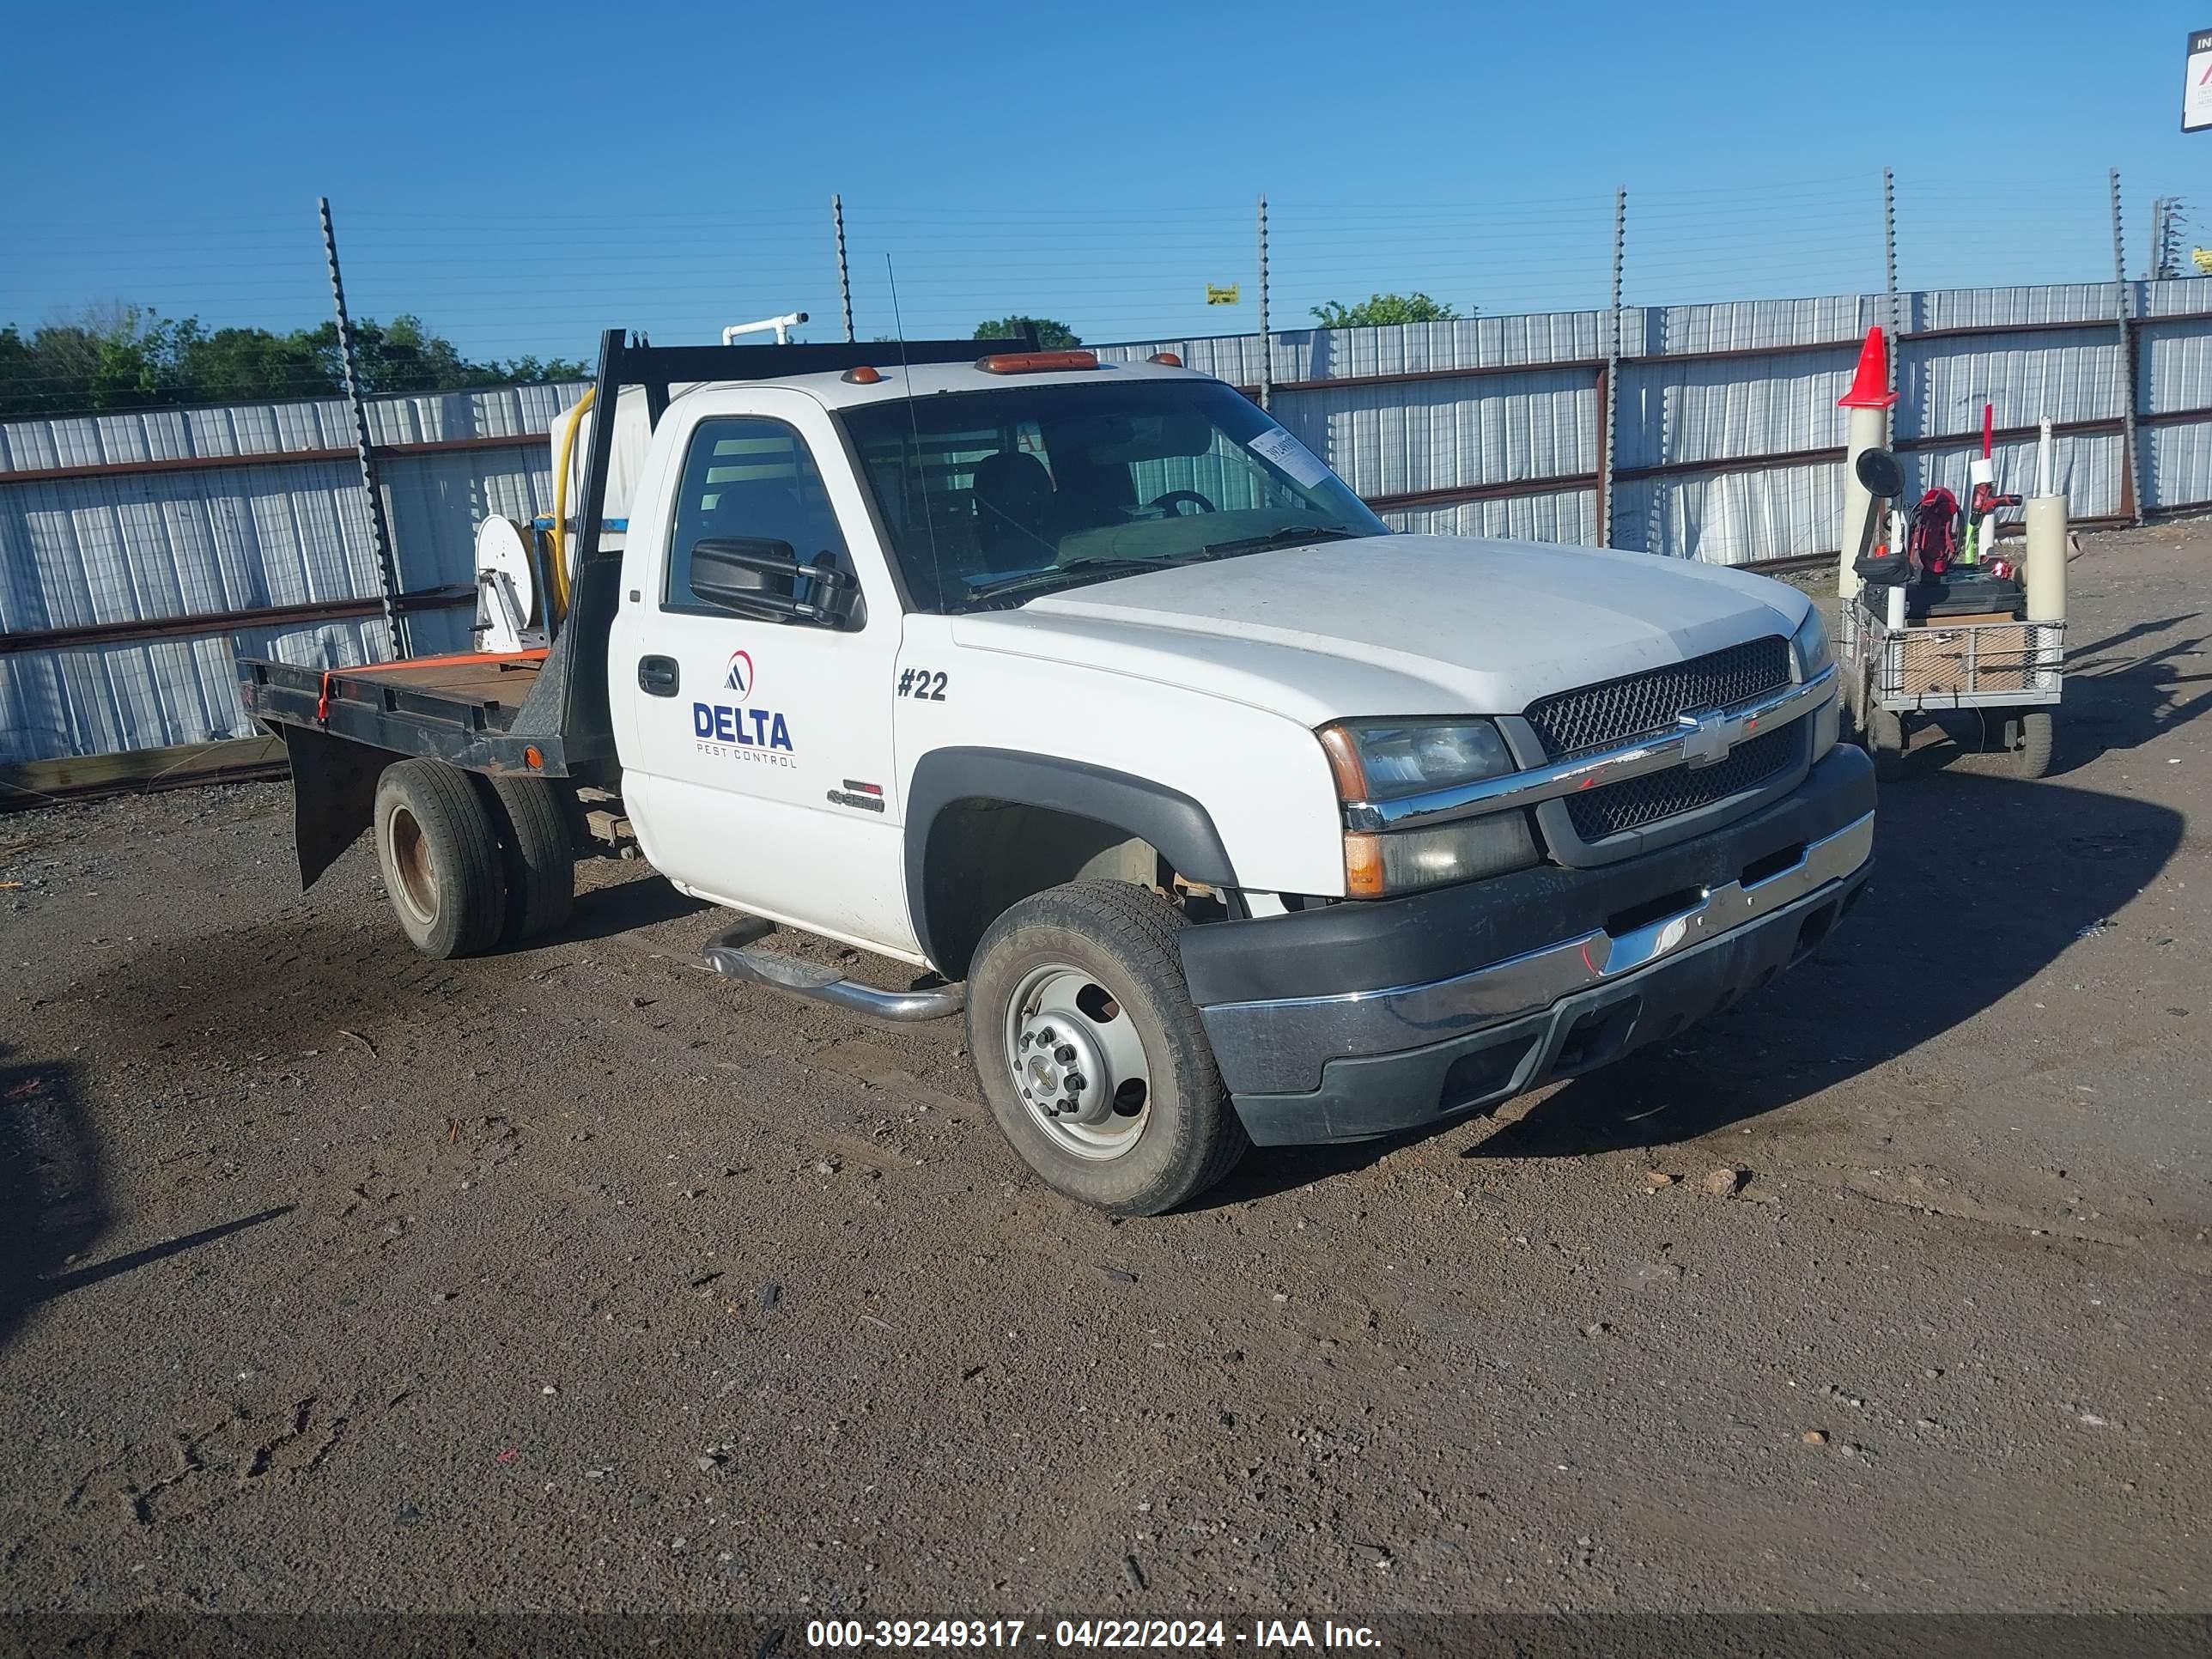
2008 673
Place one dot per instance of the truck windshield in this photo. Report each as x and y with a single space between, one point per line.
993 497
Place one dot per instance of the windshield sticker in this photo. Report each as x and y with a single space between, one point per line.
1277 448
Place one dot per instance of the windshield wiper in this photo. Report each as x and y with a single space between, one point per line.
1291 535
1024 579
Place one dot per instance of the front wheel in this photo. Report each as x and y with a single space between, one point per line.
1090 1052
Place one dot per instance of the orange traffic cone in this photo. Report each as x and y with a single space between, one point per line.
1870 386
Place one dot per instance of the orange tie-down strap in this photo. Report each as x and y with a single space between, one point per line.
322 702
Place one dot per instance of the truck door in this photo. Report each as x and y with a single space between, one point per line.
757 757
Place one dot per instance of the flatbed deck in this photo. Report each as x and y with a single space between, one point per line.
461 708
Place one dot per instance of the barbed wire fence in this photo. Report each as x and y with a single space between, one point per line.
1588 284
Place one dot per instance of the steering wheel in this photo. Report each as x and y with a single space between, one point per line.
1171 503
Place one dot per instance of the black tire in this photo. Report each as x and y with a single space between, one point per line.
1124 937
1885 741
2029 735
540 856
439 853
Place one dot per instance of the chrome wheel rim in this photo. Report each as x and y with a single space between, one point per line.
415 881
1077 1062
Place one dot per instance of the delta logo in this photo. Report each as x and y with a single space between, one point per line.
740 731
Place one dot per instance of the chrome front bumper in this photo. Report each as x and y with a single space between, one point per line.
1286 1046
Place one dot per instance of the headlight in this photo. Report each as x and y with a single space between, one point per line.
1386 760
1389 760
1810 646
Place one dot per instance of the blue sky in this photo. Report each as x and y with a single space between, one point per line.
1097 164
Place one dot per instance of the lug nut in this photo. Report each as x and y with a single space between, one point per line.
1047 1035
1065 1053
1075 1083
1027 1039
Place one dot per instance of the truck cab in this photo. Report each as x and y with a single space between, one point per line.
1228 815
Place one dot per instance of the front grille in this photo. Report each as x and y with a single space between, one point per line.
1635 802
1648 704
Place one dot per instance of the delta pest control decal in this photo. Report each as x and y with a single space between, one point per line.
739 729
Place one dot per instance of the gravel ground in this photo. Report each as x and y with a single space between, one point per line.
578 1279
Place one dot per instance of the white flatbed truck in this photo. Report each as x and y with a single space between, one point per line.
1085 688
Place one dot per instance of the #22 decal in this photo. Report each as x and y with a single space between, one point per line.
922 685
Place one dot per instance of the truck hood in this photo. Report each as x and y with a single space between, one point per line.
1393 625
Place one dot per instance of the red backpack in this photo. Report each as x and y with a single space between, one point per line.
1934 538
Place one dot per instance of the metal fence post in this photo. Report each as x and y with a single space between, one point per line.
1608 435
1267 339
1889 272
395 620
2131 473
844 273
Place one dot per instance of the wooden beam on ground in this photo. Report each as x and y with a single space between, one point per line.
134 772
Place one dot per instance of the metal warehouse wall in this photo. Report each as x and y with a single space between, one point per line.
139 552
1726 438
116 530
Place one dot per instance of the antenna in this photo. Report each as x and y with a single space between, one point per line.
914 423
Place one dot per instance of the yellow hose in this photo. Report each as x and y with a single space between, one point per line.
559 574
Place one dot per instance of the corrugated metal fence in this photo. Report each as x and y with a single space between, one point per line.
139 553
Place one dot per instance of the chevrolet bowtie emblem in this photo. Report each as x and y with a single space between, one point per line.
1706 737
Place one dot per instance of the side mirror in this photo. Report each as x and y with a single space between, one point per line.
742 573
1879 473
757 577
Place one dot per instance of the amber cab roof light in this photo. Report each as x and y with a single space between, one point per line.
1166 360
862 376
1035 362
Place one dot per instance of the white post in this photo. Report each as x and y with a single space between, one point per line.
1868 402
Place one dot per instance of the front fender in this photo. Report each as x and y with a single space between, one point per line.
1171 821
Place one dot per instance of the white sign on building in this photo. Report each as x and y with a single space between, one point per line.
2196 91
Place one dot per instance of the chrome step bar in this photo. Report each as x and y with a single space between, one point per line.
734 953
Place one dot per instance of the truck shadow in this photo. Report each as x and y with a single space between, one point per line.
641 901
53 1202
1980 884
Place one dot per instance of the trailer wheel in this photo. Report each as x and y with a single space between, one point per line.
2029 735
1885 741
441 857
540 857
1092 1054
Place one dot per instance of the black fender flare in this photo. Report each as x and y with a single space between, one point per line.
1171 821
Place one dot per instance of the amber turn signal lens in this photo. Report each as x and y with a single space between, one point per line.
1363 866
1344 762
534 757
1035 362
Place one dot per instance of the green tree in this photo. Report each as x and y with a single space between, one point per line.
128 357
1050 335
1384 310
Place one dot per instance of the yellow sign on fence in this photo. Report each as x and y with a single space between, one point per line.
1222 296
2202 258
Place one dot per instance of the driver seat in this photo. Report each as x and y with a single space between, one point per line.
1013 498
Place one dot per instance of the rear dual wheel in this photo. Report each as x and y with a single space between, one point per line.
470 863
